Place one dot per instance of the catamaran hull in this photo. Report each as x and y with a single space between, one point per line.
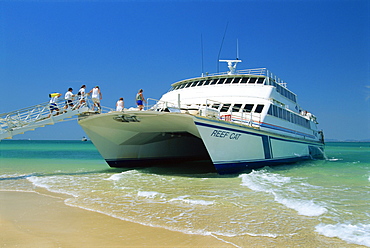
143 139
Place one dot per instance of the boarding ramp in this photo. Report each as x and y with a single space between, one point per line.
28 119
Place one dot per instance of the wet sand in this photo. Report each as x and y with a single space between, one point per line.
34 220
29 219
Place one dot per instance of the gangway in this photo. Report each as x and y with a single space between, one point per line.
27 119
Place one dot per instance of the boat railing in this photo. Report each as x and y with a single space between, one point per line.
157 105
251 118
256 72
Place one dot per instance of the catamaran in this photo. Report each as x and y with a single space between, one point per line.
234 121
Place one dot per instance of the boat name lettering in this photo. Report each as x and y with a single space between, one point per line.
126 118
225 134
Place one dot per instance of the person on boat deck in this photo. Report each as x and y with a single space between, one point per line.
120 104
96 96
53 103
140 99
68 97
82 96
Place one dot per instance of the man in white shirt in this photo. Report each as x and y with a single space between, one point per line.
68 97
96 96
53 103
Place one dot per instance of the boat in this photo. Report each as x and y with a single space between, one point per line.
84 138
232 122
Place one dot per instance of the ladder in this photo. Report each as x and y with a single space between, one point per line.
28 119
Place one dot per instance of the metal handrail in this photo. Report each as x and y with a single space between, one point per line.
30 115
251 119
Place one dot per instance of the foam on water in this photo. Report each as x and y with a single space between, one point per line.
284 190
356 234
190 201
44 182
148 194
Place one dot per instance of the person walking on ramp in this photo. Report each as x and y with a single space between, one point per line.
68 97
96 96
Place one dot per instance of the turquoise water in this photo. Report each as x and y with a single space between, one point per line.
323 200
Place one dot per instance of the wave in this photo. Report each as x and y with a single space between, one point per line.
357 234
284 190
148 194
118 176
192 202
43 183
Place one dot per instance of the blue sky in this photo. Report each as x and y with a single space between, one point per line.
321 48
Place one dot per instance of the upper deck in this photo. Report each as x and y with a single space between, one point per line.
259 76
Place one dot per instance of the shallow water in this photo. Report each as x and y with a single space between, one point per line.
321 198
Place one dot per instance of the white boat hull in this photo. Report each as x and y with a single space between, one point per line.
145 138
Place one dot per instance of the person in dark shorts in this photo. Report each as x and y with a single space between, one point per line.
68 97
140 99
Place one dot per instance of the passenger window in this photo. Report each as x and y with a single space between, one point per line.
236 108
248 108
225 107
244 80
228 81
259 108
260 80
221 81
216 105
252 81
207 82
236 80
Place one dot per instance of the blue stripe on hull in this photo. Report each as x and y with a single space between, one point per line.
237 167
246 131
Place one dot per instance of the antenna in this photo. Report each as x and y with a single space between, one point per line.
201 44
219 52
237 49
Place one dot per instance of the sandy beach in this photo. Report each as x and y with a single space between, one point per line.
36 220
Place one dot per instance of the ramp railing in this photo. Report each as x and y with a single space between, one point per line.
27 119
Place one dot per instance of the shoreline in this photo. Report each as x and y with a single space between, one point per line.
32 219
42 219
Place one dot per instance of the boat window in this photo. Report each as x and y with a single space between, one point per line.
187 85
181 86
228 81
260 80
280 112
194 83
248 108
206 82
259 108
216 105
221 81
214 81
236 80
252 81
236 108
225 107
244 80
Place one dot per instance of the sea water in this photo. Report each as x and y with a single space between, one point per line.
328 198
